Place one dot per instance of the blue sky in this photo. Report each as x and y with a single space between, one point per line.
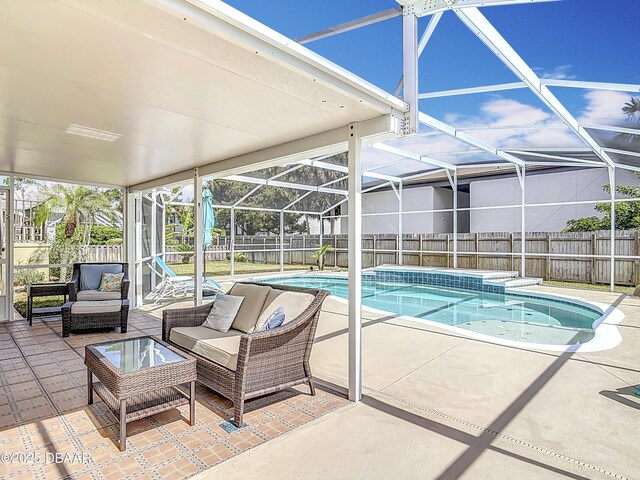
591 40
587 39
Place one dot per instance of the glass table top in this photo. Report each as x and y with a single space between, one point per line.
134 354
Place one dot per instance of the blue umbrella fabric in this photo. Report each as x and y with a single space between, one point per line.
208 222
208 217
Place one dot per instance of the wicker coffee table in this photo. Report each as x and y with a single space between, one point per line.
138 378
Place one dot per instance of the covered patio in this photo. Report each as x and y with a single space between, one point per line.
178 95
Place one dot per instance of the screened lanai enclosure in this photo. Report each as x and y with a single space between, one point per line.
224 167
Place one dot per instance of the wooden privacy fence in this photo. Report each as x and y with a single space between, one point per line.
102 253
561 256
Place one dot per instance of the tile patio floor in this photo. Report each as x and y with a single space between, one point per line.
43 409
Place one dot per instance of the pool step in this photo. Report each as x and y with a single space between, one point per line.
515 282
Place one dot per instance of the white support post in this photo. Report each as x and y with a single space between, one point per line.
232 240
282 241
164 230
321 229
523 231
197 240
454 187
129 226
410 68
137 241
154 234
400 230
10 246
355 264
612 184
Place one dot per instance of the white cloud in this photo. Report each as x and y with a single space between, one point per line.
544 129
561 72
603 108
503 112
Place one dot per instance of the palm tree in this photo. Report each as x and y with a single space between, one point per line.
77 204
632 108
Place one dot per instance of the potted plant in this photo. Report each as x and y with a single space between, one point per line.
320 253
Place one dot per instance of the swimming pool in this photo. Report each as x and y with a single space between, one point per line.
516 317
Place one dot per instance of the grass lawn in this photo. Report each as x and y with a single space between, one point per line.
590 286
223 268
20 302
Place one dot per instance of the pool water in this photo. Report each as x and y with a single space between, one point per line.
509 316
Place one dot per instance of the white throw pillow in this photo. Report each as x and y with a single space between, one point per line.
224 311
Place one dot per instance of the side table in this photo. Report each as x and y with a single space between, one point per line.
44 290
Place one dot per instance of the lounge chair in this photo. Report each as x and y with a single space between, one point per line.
173 285
248 362
90 308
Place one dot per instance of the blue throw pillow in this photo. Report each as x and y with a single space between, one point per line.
275 319
91 274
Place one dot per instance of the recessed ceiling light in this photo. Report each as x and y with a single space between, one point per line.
83 131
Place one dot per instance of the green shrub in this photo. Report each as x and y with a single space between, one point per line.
185 250
28 275
239 257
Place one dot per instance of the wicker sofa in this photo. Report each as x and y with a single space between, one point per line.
89 308
245 362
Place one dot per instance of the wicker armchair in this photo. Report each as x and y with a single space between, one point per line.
268 361
112 316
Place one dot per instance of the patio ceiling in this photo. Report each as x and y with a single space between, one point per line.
169 84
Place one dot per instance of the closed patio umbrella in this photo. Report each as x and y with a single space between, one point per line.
208 222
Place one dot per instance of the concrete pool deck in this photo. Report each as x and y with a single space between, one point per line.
440 405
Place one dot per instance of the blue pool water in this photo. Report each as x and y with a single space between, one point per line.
518 317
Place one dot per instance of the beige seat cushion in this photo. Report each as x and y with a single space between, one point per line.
254 298
97 295
221 348
97 306
294 303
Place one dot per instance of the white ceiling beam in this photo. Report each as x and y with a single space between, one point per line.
485 31
466 138
413 156
251 192
345 169
622 152
470 91
276 183
327 143
553 157
426 36
423 174
410 70
513 127
228 23
615 87
430 7
296 201
352 25
610 128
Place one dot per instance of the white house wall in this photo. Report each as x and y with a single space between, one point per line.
578 185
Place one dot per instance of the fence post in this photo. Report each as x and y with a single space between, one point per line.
594 244
304 250
420 248
477 247
511 250
448 248
636 262
548 265
375 255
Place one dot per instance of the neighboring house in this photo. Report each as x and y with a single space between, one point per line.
501 189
